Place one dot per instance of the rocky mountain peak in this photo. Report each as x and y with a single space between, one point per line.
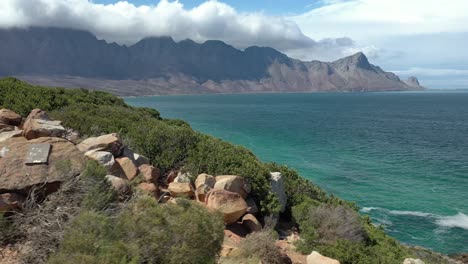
413 82
358 60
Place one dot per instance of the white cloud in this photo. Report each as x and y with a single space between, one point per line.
367 19
126 23
432 72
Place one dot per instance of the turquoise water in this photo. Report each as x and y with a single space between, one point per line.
403 157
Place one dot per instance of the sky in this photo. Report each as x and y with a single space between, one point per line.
425 38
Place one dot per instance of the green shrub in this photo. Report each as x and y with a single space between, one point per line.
326 224
261 245
144 232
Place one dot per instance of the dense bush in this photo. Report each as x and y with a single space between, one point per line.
261 246
144 232
22 97
326 224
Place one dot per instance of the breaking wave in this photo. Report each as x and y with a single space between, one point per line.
459 220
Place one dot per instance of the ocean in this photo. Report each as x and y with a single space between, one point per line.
401 156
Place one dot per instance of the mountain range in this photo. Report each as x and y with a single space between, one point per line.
160 65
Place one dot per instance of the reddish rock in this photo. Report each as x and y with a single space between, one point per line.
171 176
232 205
126 168
65 161
180 189
231 183
201 192
38 124
10 118
205 179
10 201
109 142
149 173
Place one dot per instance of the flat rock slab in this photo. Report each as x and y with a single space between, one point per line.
38 153
65 162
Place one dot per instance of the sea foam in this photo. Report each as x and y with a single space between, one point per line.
459 220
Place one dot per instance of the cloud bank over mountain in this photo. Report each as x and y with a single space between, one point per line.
126 23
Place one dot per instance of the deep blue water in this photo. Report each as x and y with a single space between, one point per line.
403 157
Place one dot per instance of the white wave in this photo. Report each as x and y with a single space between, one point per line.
459 220
368 209
412 213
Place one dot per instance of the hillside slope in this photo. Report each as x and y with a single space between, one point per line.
159 65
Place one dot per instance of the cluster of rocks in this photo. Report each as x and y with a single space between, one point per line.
34 151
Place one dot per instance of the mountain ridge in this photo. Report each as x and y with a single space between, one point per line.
160 65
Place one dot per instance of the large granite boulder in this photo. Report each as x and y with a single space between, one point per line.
64 162
180 189
277 187
109 142
149 173
124 167
316 258
231 204
106 159
39 124
10 118
205 179
232 183
10 201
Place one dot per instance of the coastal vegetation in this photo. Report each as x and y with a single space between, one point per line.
100 227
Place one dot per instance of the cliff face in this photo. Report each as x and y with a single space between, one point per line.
159 65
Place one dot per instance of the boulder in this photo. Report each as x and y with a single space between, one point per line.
251 223
232 183
104 158
252 207
277 187
149 188
9 134
316 258
10 118
149 173
65 161
231 204
205 179
118 184
182 178
38 124
136 158
125 167
109 142
201 192
10 201
180 189
412 261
